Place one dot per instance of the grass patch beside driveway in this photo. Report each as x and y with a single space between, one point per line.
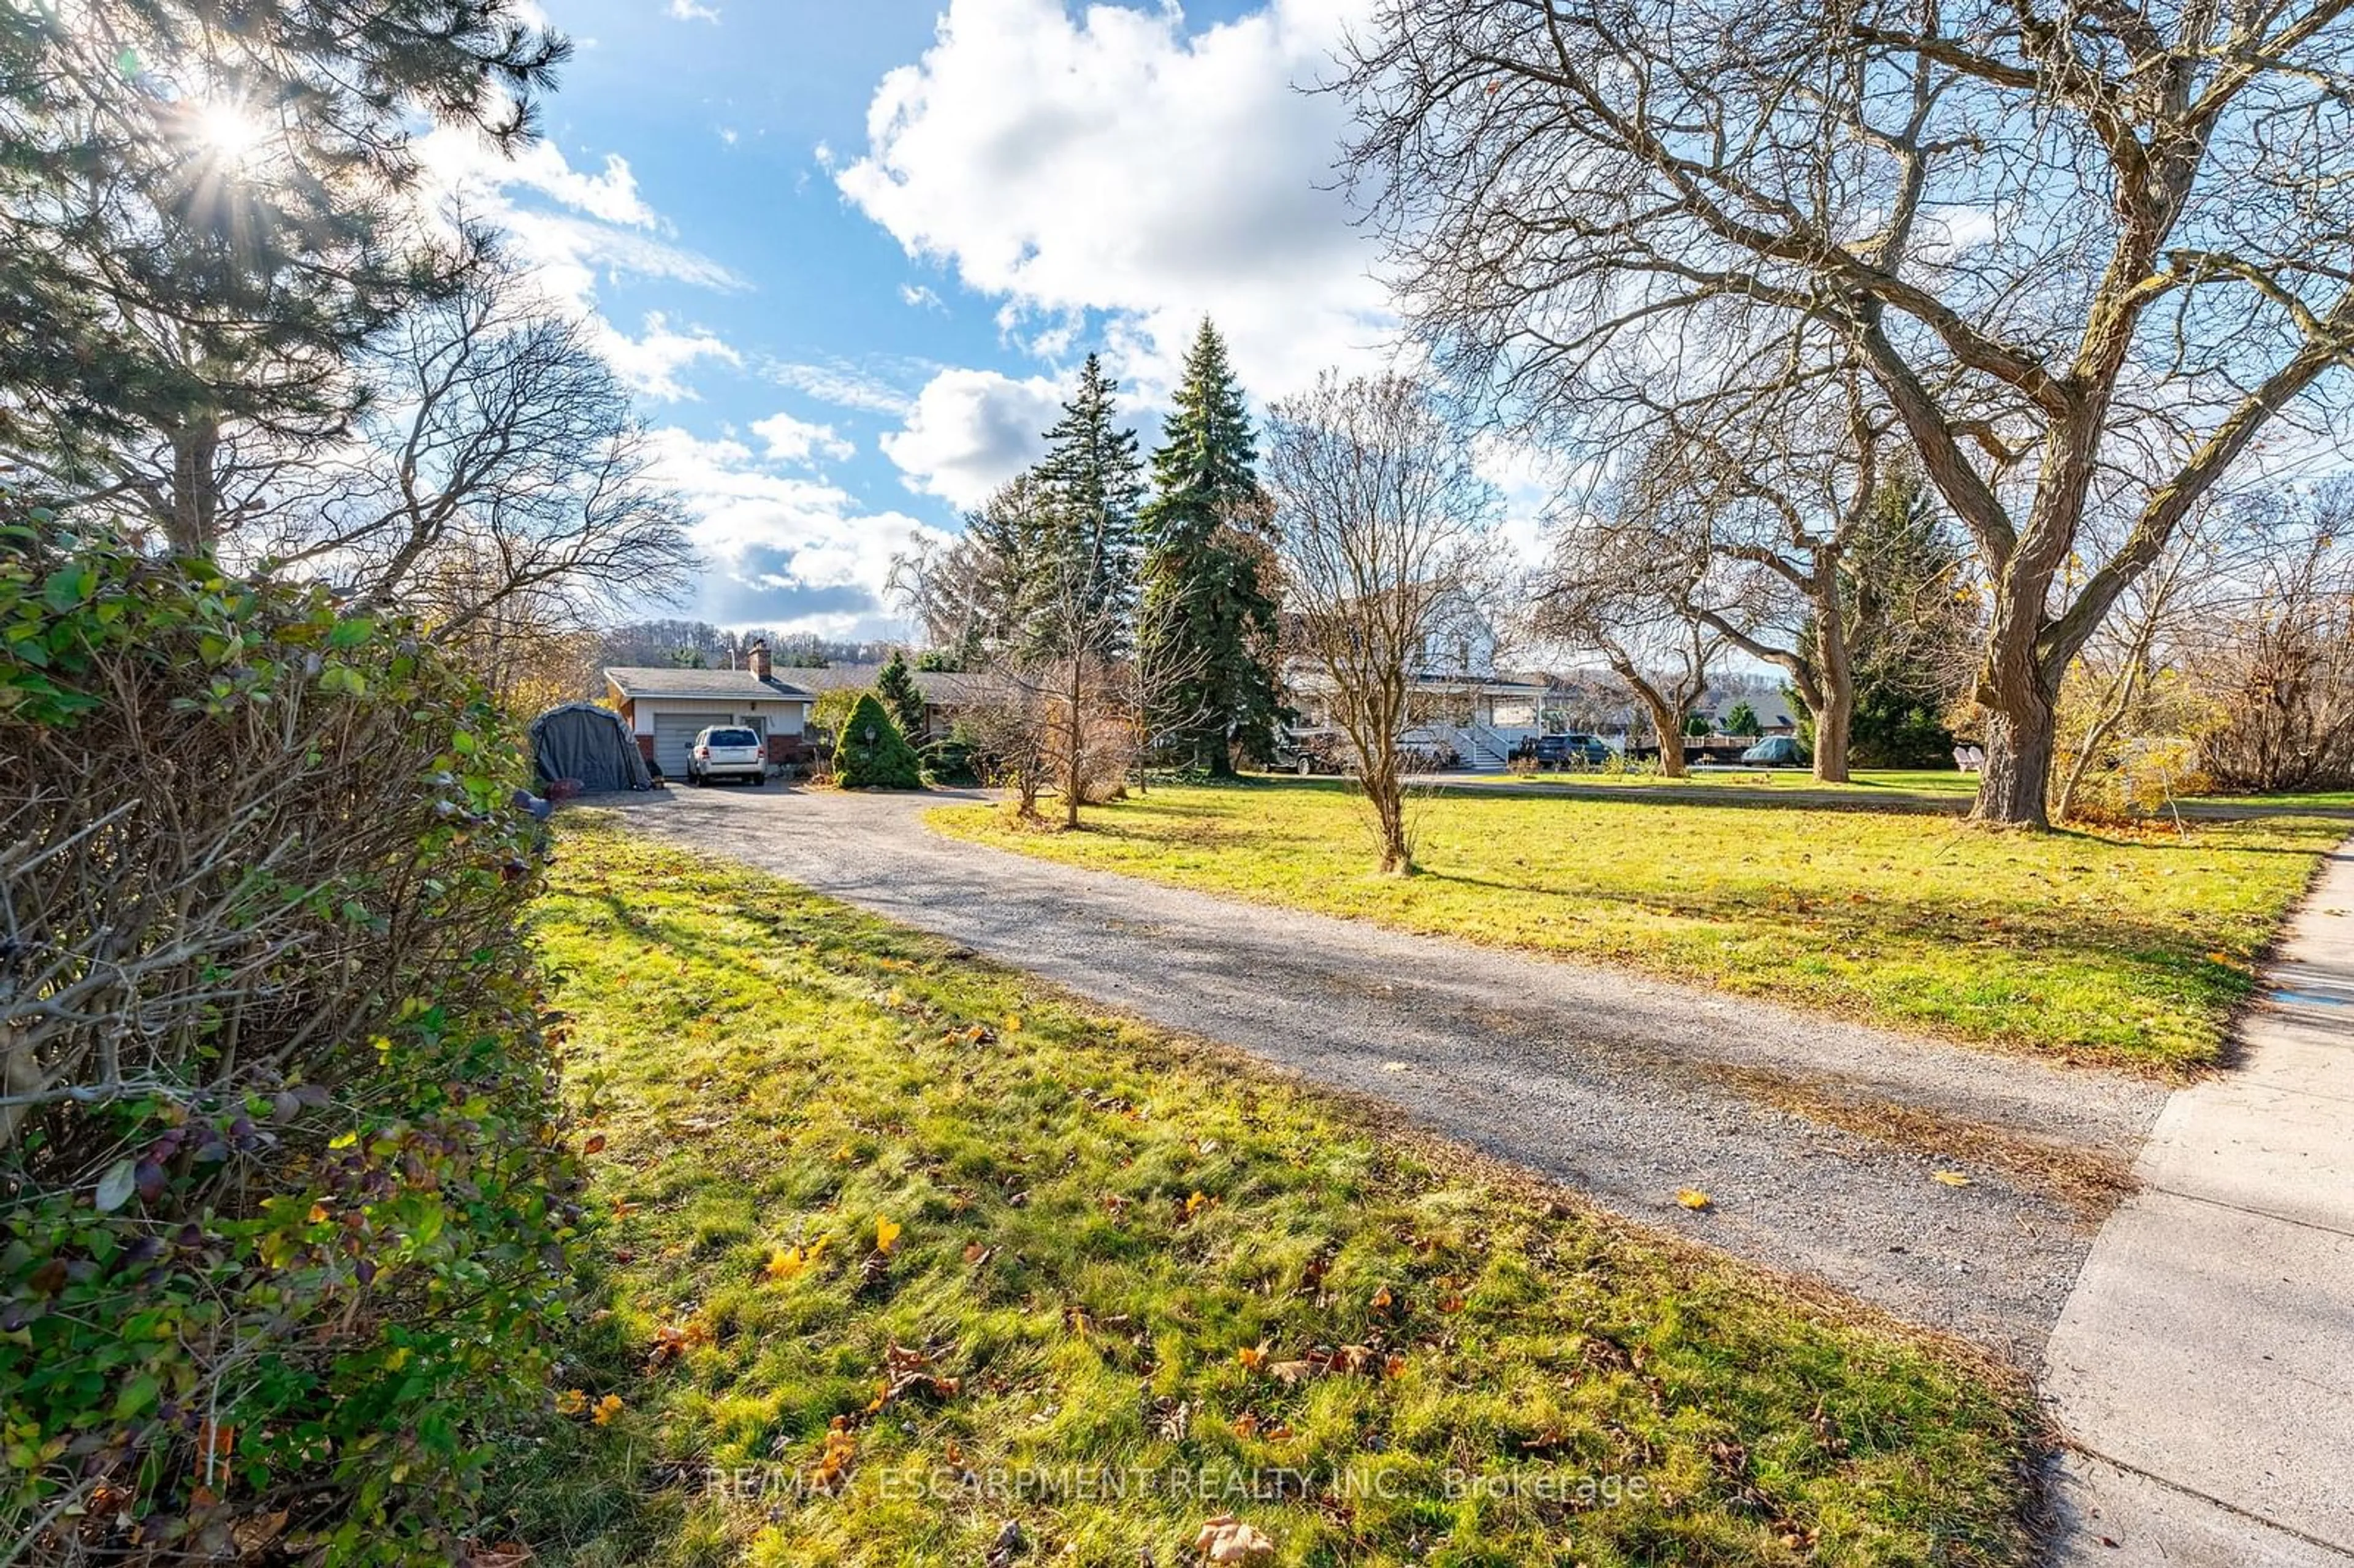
2130 949
1114 1253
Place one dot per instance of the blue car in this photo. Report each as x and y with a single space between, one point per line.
1775 751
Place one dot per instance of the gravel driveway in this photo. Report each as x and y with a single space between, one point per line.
1604 1082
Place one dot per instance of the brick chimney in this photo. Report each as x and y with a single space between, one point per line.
758 660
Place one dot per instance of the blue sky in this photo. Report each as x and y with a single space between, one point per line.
849 254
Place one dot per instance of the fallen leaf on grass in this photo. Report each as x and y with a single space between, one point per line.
1695 1200
1225 1539
607 1409
840 1445
571 1402
1252 1357
788 1261
674 1341
887 1235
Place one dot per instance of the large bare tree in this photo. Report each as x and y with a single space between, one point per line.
503 479
1630 586
1778 488
1384 530
2091 253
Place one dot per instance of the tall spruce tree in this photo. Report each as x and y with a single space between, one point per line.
1083 587
902 698
1208 617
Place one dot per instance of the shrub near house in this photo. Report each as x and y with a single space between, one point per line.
871 753
288 1218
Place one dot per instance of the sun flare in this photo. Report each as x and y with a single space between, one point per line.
231 132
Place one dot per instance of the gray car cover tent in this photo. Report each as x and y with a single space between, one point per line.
585 742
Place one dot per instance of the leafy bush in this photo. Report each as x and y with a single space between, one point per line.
953 761
871 754
832 713
287 1219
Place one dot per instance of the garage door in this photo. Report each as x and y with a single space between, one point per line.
674 734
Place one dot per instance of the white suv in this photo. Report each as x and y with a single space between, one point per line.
727 751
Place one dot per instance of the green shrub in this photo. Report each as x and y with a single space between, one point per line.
289 1219
871 754
952 760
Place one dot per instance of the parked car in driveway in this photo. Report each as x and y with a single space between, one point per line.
1775 751
1572 750
727 751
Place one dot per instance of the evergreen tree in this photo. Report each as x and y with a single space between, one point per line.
871 754
204 215
902 697
1093 483
1911 633
1207 616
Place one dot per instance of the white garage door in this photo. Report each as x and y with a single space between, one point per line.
674 734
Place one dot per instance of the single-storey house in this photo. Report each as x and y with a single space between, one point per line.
1772 708
946 693
665 708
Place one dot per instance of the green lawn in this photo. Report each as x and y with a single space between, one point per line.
1115 1260
2129 948
1865 782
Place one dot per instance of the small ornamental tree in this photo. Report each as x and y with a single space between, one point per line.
871 754
1741 719
900 694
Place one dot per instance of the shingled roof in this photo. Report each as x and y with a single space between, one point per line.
636 681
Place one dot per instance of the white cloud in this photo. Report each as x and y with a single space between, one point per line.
785 548
600 229
462 163
798 441
1111 162
843 385
688 11
921 296
650 364
972 431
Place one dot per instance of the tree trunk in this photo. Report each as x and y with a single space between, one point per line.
1832 688
1387 793
1670 725
2013 787
192 526
1833 722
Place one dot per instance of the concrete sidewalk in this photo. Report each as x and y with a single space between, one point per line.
2203 1366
